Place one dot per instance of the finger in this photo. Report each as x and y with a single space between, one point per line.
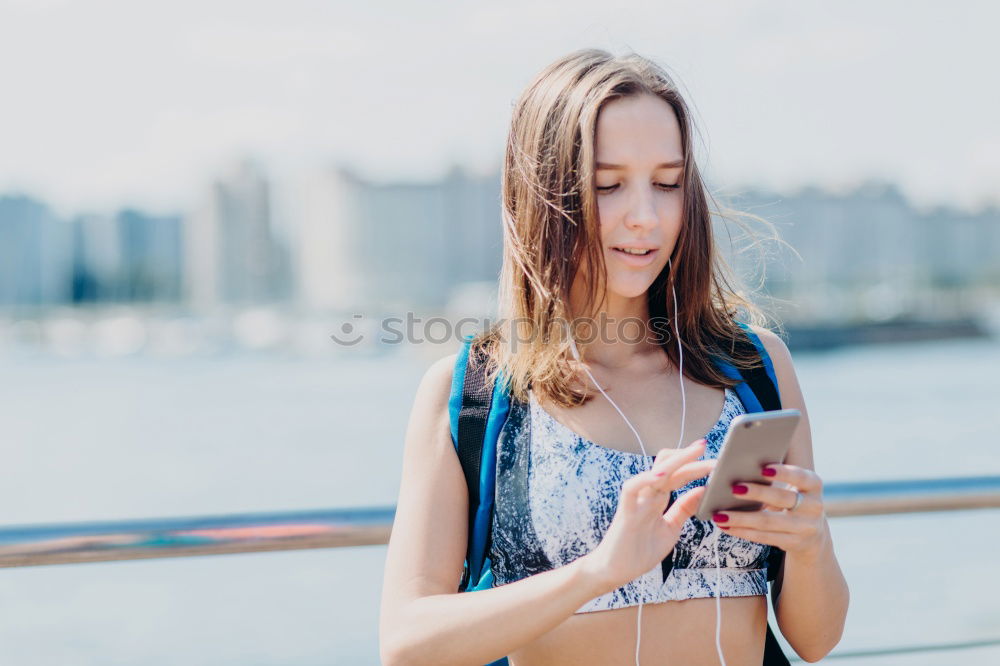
665 481
782 540
685 474
683 508
678 457
639 489
666 453
629 496
768 521
653 485
778 498
657 496
802 478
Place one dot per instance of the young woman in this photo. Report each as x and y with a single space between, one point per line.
606 222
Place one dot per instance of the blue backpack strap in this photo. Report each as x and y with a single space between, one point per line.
457 382
477 411
758 387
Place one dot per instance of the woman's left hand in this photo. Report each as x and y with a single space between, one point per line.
794 525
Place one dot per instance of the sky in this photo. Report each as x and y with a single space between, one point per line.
111 103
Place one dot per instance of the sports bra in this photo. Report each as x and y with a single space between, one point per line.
556 494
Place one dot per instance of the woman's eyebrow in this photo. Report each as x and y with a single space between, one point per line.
665 165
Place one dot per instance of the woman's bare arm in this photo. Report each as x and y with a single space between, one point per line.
423 618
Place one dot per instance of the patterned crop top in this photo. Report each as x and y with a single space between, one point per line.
557 492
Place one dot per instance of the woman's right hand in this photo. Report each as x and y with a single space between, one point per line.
641 535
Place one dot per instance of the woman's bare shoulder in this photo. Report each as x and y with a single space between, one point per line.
437 380
430 413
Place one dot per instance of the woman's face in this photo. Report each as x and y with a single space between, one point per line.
639 164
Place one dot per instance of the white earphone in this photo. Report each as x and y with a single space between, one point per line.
717 532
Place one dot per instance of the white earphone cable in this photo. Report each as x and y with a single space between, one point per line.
718 532
718 601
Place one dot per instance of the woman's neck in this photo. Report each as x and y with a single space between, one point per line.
618 342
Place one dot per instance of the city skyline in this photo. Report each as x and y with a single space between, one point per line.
359 244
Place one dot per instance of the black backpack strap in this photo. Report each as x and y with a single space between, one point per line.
773 656
763 388
668 562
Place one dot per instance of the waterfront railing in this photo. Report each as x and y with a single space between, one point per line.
103 541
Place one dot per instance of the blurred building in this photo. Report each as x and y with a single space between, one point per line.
36 251
395 245
151 250
957 247
97 258
867 253
231 253
126 257
327 265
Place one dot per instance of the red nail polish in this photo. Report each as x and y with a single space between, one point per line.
739 489
769 471
723 527
720 517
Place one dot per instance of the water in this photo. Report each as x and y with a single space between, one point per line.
142 437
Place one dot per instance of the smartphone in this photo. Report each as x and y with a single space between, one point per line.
752 441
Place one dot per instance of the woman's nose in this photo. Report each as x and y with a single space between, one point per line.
642 212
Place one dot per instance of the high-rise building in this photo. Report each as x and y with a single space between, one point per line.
231 253
36 251
97 258
151 256
396 245
327 259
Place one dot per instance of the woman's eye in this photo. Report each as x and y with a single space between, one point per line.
612 188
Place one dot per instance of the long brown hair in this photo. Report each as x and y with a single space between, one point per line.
550 226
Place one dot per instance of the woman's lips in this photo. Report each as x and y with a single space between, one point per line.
635 259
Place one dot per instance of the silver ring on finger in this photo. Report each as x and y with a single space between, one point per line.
798 499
